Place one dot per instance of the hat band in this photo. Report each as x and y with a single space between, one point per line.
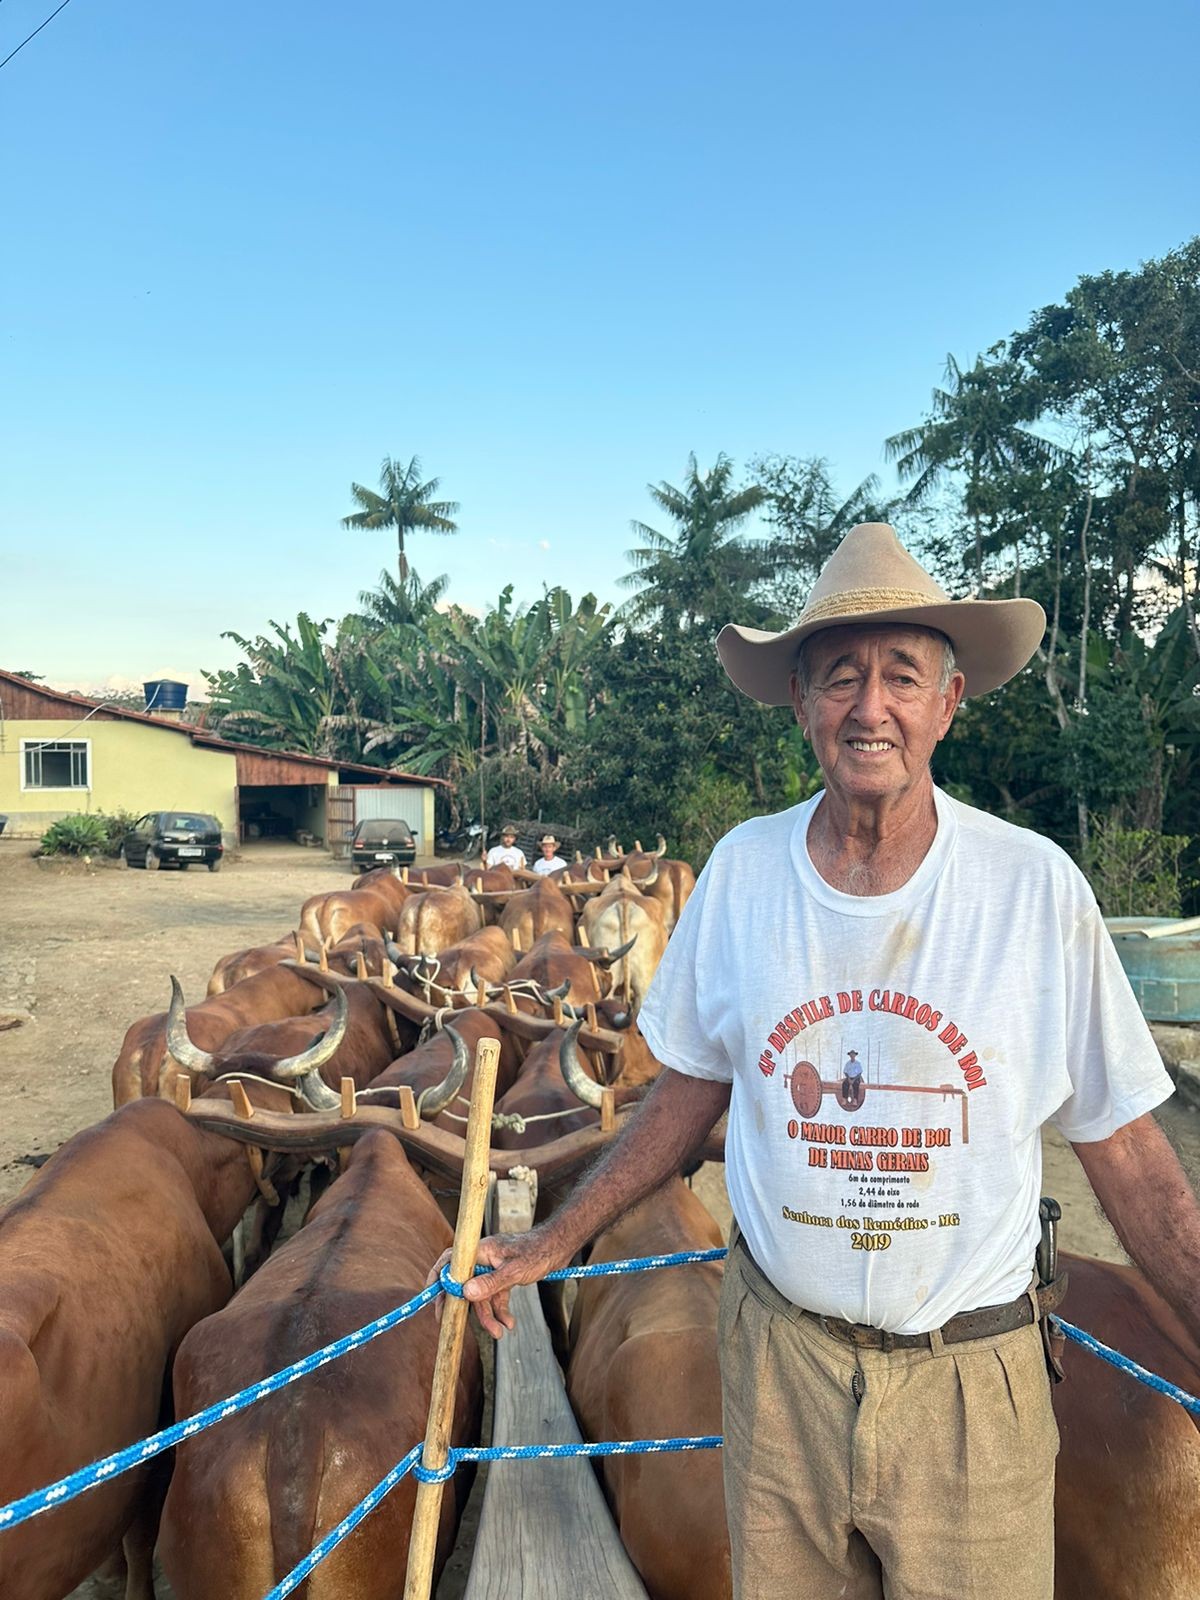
857 602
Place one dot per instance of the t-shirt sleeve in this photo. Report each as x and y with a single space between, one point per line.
1116 1072
671 1018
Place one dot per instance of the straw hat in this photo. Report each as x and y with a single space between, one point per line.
871 578
548 838
508 831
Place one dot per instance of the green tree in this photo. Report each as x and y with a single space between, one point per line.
700 570
403 503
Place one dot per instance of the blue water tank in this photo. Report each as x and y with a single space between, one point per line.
1164 971
164 694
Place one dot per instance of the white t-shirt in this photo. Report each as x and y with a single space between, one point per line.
984 998
506 855
542 867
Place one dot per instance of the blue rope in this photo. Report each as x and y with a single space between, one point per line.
1123 1364
76 1483
598 1269
553 1452
455 1458
347 1525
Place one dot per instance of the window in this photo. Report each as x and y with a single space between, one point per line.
56 763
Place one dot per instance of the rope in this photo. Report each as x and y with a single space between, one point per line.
456 1456
598 1269
76 1483
346 1526
1124 1364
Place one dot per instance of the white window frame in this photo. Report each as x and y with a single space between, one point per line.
65 788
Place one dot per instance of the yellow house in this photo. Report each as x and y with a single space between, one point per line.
62 753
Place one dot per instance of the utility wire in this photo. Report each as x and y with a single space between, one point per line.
35 33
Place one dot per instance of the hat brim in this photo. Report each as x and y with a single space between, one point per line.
992 639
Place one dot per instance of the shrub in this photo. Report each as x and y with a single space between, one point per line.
75 836
95 833
1135 872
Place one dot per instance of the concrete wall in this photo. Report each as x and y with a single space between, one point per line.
133 767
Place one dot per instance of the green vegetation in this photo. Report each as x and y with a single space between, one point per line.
1061 464
95 833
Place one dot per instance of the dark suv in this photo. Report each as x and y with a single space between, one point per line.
174 839
381 842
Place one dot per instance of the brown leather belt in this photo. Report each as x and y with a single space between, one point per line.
981 1324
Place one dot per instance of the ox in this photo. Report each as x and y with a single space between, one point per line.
250 1498
243 964
325 918
268 996
107 1258
432 921
618 913
485 955
1128 1479
442 1067
542 908
644 1366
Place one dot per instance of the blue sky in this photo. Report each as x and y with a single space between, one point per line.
549 249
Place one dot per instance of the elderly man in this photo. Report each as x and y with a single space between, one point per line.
888 1426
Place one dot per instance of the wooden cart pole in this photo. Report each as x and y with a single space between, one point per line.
422 1545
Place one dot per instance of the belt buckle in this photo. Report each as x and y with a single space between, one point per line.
887 1341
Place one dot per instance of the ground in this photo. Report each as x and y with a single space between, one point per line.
84 952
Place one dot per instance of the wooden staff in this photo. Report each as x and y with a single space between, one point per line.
422 1546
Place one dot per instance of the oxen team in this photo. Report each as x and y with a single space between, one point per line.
117 1302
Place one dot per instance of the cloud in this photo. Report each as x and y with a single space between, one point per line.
543 544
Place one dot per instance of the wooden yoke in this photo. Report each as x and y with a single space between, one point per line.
472 1198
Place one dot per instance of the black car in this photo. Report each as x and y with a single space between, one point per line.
381 842
174 839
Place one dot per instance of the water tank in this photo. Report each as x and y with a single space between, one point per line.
1163 968
164 695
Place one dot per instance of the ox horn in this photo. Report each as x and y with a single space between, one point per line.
613 848
651 877
581 1084
560 992
661 848
477 983
606 958
189 1056
439 1095
310 1061
315 1092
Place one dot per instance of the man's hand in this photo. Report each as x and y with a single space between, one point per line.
515 1258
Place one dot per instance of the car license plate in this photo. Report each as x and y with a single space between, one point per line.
381 857
186 850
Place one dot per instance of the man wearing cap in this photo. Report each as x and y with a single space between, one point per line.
506 854
550 860
887 1417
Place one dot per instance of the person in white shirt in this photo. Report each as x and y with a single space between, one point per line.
506 854
884 1351
550 860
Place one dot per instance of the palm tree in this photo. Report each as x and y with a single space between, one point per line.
696 571
397 603
403 503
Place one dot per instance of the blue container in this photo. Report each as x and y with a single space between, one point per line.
164 694
1164 972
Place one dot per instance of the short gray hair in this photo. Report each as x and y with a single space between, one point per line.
949 664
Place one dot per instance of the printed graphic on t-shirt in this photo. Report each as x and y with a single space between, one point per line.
874 1089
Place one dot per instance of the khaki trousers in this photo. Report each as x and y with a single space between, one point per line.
937 1485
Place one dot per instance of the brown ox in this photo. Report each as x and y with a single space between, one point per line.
483 956
542 908
621 912
1128 1480
671 885
644 1358
266 997
428 1069
325 918
251 1497
431 922
107 1258
244 964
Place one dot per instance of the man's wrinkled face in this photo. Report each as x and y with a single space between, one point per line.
873 707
